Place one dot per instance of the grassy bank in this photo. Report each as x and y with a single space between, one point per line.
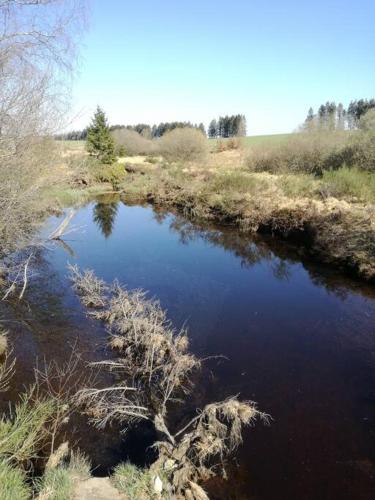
331 214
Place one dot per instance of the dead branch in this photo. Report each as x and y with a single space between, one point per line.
154 367
60 230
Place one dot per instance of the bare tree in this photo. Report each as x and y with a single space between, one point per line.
38 42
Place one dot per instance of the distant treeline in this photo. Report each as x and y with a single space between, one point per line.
227 126
335 117
158 130
74 135
147 131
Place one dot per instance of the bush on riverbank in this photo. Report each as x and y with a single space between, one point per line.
133 143
315 152
184 144
112 174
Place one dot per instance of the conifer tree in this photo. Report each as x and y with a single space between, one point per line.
212 129
99 141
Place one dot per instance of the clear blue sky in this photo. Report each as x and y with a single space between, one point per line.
161 60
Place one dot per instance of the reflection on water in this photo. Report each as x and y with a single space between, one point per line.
104 217
299 339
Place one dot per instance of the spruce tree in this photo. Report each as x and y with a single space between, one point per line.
99 140
212 129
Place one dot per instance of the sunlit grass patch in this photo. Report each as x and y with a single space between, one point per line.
58 483
134 482
350 183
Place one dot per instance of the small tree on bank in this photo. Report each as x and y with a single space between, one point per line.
99 141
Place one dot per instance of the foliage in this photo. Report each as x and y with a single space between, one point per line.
121 151
228 126
133 142
134 482
13 485
156 131
99 140
367 121
113 174
349 183
228 144
28 428
184 144
315 152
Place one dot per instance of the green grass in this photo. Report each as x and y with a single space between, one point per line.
58 483
67 197
25 430
349 183
13 483
272 139
134 482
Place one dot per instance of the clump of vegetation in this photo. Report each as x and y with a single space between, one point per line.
133 143
13 484
228 144
184 144
154 367
113 174
302 153
132 481
349 183
99 141
367 121
58 483
314 152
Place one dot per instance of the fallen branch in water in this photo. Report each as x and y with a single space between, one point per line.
153 369
60 230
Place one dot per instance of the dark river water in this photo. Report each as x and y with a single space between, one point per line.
299 340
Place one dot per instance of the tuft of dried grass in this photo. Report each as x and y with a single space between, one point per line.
154 367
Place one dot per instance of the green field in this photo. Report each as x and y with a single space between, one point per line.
254 140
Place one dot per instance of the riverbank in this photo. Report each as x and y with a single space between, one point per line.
332 216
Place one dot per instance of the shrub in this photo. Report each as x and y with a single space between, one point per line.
134 143
311 152
349 182
110 173
13 483
367 121
363 147
121 151
228 144
184 144
26 431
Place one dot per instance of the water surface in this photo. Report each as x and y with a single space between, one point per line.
299 340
